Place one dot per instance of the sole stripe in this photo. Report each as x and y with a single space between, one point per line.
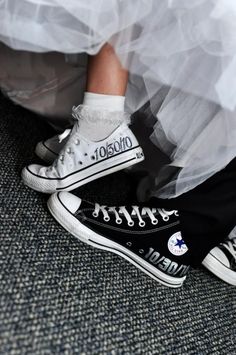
94 174
79 171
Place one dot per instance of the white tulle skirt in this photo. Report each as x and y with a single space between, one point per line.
186 48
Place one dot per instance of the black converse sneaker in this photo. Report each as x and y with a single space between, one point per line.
82 160
221 261
49 149
150 238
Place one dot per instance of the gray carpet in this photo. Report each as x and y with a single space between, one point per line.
59 296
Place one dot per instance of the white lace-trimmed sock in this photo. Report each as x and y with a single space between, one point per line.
107 102
100 115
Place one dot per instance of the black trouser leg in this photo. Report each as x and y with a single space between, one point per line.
207 213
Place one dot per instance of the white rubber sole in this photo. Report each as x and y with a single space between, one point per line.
44 153
83 177
84 234
219 270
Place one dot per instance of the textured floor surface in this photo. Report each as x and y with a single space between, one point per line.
59 296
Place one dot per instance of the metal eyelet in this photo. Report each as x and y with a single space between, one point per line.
131 223
95 214
106 219
118 220
154 221
142 224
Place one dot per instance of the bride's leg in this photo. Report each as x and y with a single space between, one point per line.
105 89
105 73
100 142
105 94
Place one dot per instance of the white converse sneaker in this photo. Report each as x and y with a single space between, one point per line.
82 161
221 261
49 150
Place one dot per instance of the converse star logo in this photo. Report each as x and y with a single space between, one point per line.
176 244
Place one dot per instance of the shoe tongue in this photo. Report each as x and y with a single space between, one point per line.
86 205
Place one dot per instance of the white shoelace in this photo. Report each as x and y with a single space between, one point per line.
137 211
67 149
60 158
230 245
64 134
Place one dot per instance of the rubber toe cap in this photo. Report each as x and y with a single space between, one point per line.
69 201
